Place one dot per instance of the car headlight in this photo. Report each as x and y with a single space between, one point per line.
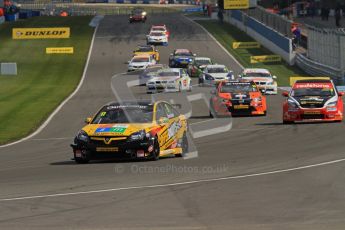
209 77
332 104
150 83
190 59
137 136
143 13
292 104
82 136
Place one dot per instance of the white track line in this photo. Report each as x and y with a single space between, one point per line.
220 45
174 184
63 103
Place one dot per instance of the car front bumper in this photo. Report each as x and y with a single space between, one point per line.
161 88
309 115
268 89
117 149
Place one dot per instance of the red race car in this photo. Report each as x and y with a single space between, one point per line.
237 98
313 100
137 15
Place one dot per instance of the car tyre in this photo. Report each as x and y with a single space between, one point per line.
82 160
156 150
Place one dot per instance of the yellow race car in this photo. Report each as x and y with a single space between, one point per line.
147 49
132 130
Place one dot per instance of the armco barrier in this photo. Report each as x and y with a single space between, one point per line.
316 69
271 39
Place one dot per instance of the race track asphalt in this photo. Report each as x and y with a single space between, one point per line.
258 175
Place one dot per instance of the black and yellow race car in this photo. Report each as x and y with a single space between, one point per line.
132 130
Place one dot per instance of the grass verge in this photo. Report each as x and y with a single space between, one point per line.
226 34
43 81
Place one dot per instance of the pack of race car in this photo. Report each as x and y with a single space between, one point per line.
149 130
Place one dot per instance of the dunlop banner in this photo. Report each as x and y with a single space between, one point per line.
59 50
41 33
295 78
245 45
265 58
236 4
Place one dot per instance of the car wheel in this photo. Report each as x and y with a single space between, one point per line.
84 159
184 146
156 150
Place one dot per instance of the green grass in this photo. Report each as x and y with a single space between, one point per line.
43 81
226 34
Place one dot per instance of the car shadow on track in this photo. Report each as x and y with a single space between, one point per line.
107 161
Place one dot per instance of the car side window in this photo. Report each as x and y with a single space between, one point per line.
170 111
160 112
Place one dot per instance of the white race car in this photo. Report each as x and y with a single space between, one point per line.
215 73
169 80
150 72
262 78
156 38
160 28
141 62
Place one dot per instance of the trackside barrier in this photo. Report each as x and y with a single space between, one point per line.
317 69
327 46
271 39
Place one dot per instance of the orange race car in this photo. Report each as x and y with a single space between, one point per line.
237 98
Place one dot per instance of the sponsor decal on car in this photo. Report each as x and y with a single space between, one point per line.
173 129
112 129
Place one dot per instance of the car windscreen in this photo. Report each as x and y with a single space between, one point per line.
158 29
257 75
322 91
183 54
144 59
156 34
217 70
202 62
124 114
168 74
144 49
137 11
238 87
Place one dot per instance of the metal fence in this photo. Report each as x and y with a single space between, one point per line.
275 21
327 46
317 69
